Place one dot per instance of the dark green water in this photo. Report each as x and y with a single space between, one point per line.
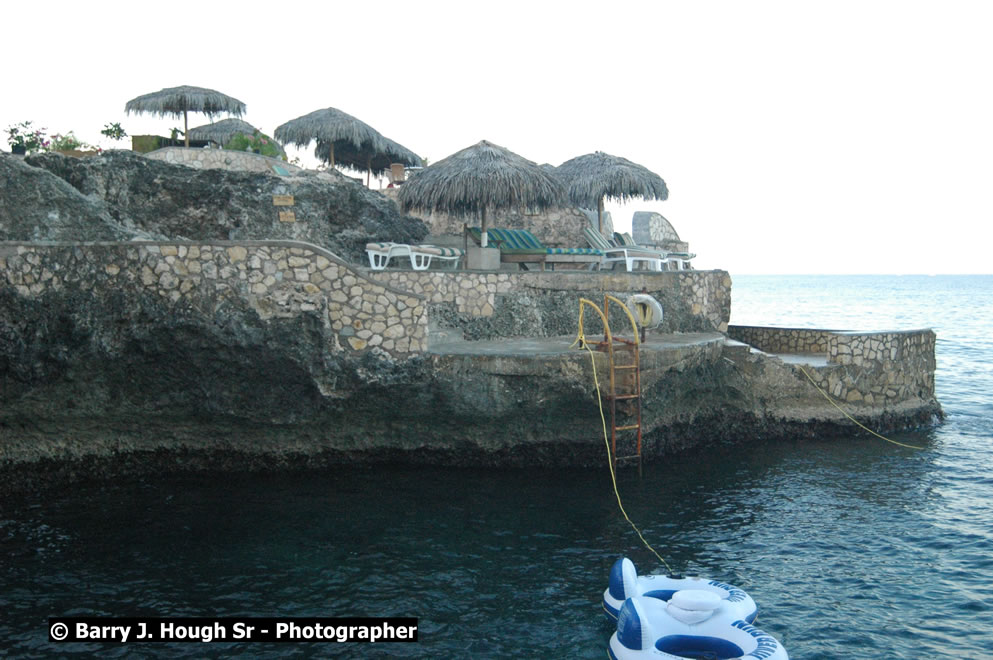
852 548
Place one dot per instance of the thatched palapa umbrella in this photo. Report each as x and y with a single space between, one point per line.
179 101
479 177
366 157
591 178
222 131
343 139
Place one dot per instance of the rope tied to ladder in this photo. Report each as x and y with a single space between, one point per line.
584 344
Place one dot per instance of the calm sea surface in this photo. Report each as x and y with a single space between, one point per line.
852 547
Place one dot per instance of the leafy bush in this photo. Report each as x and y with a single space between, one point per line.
257 142
114 131
67 142
23 135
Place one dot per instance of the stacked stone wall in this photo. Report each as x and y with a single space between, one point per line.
897 365
863 368
222 159
782 340
693 301
387 310
278 278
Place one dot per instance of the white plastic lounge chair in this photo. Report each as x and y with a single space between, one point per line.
679 260
420 255
629 256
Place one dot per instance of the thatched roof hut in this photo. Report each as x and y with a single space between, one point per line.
479 177
591 178
344 140
179 101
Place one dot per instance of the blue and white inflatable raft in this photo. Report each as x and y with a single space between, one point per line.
625 583
691 624
671 618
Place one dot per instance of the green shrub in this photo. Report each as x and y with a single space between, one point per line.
257 142
67 142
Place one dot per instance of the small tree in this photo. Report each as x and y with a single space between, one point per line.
114 131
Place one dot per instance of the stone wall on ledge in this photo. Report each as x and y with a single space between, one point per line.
222 159
862 368
493 305
276 279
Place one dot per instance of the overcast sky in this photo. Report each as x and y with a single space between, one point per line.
794 137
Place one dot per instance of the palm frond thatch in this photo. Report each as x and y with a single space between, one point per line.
344 140
177 101
365 157
591 178
221 131
482 176
327 125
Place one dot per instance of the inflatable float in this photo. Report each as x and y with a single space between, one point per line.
692 624
625 583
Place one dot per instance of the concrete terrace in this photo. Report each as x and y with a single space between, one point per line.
556 346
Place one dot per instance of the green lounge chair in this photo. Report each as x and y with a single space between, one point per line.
522 247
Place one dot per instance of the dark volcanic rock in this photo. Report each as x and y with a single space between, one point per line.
35 205
330 209
101 354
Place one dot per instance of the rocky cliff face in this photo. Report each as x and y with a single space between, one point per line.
35 205
122 195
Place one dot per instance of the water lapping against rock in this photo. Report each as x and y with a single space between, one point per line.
853 548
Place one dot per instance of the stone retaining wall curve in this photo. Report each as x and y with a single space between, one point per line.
278 278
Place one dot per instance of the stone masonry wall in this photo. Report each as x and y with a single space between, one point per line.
223 159
279 278
782 340
386 310
902 362
871 368
503 304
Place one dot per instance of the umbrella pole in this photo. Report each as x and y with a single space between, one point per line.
186 129
331 153
368 171
482 229
599 215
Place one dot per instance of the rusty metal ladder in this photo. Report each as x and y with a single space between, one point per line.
625 398
624 387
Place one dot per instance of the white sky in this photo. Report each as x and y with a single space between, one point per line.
794 137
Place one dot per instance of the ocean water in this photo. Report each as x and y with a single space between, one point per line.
852 547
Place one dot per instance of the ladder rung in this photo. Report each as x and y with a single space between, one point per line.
627 428
628 458
625 366
623 396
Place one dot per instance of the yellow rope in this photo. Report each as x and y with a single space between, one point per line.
581 339
859 424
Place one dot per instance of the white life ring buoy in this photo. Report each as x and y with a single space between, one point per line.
647 311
